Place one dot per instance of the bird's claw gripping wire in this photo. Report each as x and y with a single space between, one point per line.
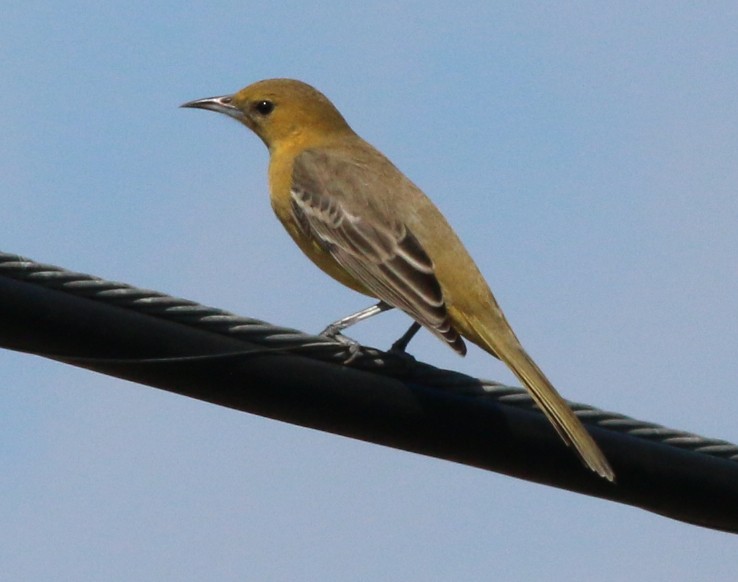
333 331
354 347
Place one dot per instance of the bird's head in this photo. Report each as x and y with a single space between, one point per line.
280 109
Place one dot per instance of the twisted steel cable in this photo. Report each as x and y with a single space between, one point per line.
223 322
383 397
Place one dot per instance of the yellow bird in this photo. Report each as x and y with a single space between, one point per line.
357 217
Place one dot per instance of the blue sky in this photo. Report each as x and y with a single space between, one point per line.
586 153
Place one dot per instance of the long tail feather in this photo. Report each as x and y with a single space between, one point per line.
503 344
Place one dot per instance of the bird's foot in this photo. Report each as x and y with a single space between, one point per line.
334 332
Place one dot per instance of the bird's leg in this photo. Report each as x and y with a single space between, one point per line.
334 329
400 346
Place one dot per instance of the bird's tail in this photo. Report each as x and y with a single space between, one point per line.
496 337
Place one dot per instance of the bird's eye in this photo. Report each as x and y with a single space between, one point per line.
264 107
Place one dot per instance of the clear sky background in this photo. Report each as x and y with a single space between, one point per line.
587 153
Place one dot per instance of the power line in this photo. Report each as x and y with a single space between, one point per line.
281 373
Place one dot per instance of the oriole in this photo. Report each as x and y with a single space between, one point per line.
355 215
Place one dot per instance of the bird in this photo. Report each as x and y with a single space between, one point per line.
364 223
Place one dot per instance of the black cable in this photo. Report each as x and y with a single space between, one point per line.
247 364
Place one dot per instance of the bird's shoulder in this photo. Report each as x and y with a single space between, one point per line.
355 176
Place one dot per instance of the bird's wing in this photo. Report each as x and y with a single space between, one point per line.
332 203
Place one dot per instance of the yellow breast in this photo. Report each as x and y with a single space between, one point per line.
280 183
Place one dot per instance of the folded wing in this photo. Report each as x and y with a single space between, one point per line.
332 204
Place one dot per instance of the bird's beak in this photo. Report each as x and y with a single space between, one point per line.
223 104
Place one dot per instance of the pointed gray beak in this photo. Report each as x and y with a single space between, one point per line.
221 104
